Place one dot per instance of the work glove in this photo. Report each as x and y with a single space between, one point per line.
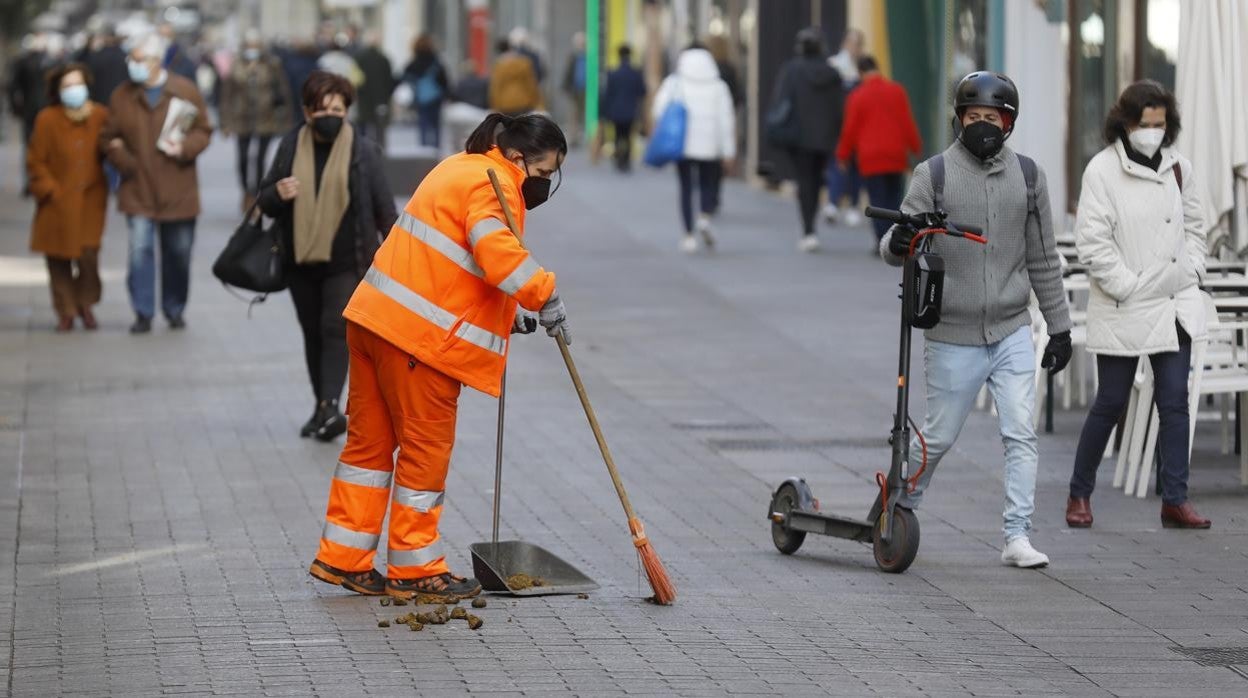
554 317
525 322
1057 352
899 240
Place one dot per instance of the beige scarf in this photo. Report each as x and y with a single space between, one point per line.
318 212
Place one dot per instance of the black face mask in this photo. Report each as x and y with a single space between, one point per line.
327 127
983 139
535 190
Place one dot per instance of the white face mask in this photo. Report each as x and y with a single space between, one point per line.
1147 141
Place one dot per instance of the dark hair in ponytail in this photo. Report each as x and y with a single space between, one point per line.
532 134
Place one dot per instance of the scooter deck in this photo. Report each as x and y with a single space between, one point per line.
829 525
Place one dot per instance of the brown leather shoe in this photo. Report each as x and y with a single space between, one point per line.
1182 516
1079 512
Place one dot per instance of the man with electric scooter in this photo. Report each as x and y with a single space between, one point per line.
984 335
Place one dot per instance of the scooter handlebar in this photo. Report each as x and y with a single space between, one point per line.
901 218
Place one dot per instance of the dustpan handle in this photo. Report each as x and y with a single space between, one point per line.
498 453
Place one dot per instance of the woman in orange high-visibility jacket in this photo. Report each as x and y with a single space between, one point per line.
433 313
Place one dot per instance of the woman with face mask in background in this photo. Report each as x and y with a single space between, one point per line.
1140 232
435 313
255 106
333 206
66 171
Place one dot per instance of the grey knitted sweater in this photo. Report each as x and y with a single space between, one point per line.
987 287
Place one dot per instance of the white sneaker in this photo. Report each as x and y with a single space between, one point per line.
689 244
1019 553
831 212
851 217
808 244
704 228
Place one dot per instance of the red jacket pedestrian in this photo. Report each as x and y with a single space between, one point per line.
879 127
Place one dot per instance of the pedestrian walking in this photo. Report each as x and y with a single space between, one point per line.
880 135
518 41
106 63
176 59
159 192
813 91
374 94
514 86
66 176
1140 231
433 314
427 78
710 138
255 107
984 334
332 205
471 87
844 184
27 89
574 80
622 97
299 60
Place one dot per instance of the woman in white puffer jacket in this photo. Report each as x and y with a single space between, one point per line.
1140 232
710 136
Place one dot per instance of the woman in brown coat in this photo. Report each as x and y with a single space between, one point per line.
66 174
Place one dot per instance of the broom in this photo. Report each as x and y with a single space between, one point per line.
664 590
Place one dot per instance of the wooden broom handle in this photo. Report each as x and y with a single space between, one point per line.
576 375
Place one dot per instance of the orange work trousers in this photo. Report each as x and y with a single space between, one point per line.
393 401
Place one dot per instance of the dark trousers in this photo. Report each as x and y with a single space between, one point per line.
808 171
245 162
707 174
320 296
1116 375
429 127
75 282
884 191
623 145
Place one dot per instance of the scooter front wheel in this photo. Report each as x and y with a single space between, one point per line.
896 555
786 539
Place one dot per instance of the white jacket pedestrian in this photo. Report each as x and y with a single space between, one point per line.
1143 239
710 130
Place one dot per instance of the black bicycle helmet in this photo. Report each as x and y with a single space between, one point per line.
987 89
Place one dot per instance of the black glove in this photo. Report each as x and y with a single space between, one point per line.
1057 352
899 240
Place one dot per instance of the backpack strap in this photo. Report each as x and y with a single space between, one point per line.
936 170
1030 175
1178 176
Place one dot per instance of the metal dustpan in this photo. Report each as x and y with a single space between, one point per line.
493 563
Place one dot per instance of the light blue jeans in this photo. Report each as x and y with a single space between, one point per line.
955 374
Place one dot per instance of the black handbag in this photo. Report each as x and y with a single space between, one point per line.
780 123
252 259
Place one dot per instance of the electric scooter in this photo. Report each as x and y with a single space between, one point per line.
892 530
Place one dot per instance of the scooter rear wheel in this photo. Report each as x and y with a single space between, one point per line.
786 539
896 555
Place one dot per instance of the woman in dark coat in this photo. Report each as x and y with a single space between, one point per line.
333 207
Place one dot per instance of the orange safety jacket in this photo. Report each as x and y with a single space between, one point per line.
444 285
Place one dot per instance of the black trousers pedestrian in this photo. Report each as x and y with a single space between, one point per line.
623 145
808 171
708 174
884 191
1116 375
251 186
320 295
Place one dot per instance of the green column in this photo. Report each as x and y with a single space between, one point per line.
592 34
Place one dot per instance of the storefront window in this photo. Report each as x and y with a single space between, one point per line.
1093 83
1157 41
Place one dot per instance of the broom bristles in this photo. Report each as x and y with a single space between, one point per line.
660 582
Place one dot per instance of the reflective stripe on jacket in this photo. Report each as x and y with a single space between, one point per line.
444 285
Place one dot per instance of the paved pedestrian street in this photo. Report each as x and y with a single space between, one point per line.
158 510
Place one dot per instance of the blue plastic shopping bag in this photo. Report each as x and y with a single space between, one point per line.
668 142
